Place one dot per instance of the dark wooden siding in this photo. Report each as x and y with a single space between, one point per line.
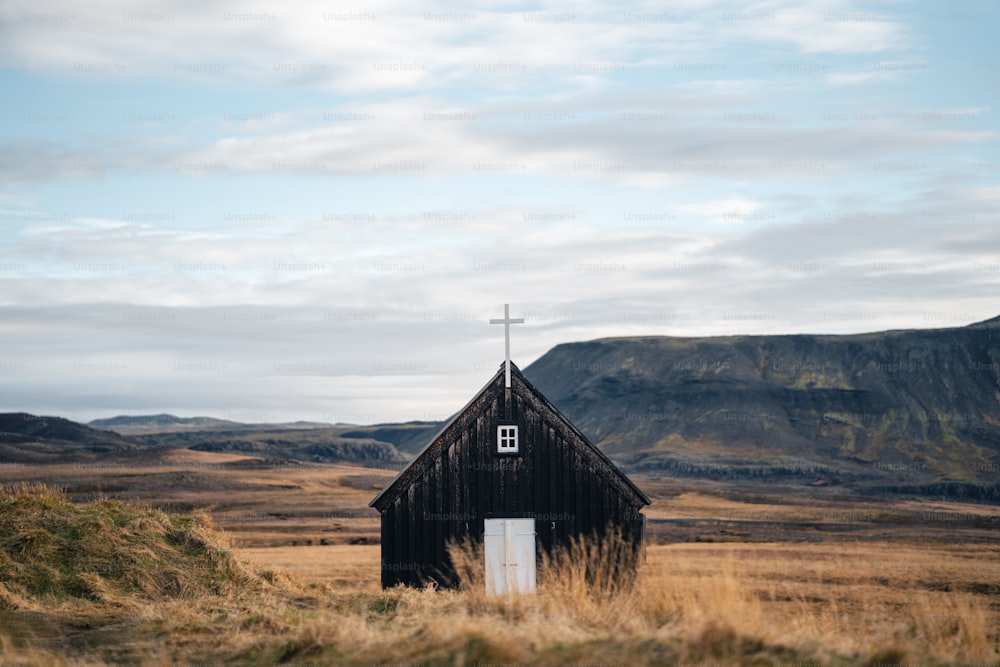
459 480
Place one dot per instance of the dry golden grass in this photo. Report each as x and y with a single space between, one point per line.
694 604
830 603
749 603
917 602
342 567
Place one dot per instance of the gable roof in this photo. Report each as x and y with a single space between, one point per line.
519 384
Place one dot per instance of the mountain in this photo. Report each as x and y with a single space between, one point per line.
26 438
990 323
914 405
165 423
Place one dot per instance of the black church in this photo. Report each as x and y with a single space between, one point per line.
508 470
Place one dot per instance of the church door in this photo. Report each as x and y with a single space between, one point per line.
510 556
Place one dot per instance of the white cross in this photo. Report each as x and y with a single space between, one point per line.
506 322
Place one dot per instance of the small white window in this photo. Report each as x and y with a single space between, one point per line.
506 439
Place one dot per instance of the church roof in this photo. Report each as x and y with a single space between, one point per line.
520 385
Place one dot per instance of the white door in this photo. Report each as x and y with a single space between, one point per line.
510 556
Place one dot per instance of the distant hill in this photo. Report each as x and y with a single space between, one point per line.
409 437
915 405
166 423
319 445
26 438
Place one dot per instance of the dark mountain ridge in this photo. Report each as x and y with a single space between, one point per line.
922 404
26 438
55 428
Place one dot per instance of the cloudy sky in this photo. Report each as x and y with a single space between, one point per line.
263 213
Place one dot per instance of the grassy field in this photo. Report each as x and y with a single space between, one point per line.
863 602
852 581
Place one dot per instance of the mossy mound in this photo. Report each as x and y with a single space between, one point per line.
109 552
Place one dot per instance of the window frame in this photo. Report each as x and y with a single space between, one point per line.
501 438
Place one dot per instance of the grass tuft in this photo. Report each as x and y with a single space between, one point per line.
108 552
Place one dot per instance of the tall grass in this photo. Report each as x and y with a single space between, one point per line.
596 590
182 592
725 612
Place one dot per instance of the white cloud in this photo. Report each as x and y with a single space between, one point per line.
732 211
422 138
866 78
830 26
705 168
393 46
